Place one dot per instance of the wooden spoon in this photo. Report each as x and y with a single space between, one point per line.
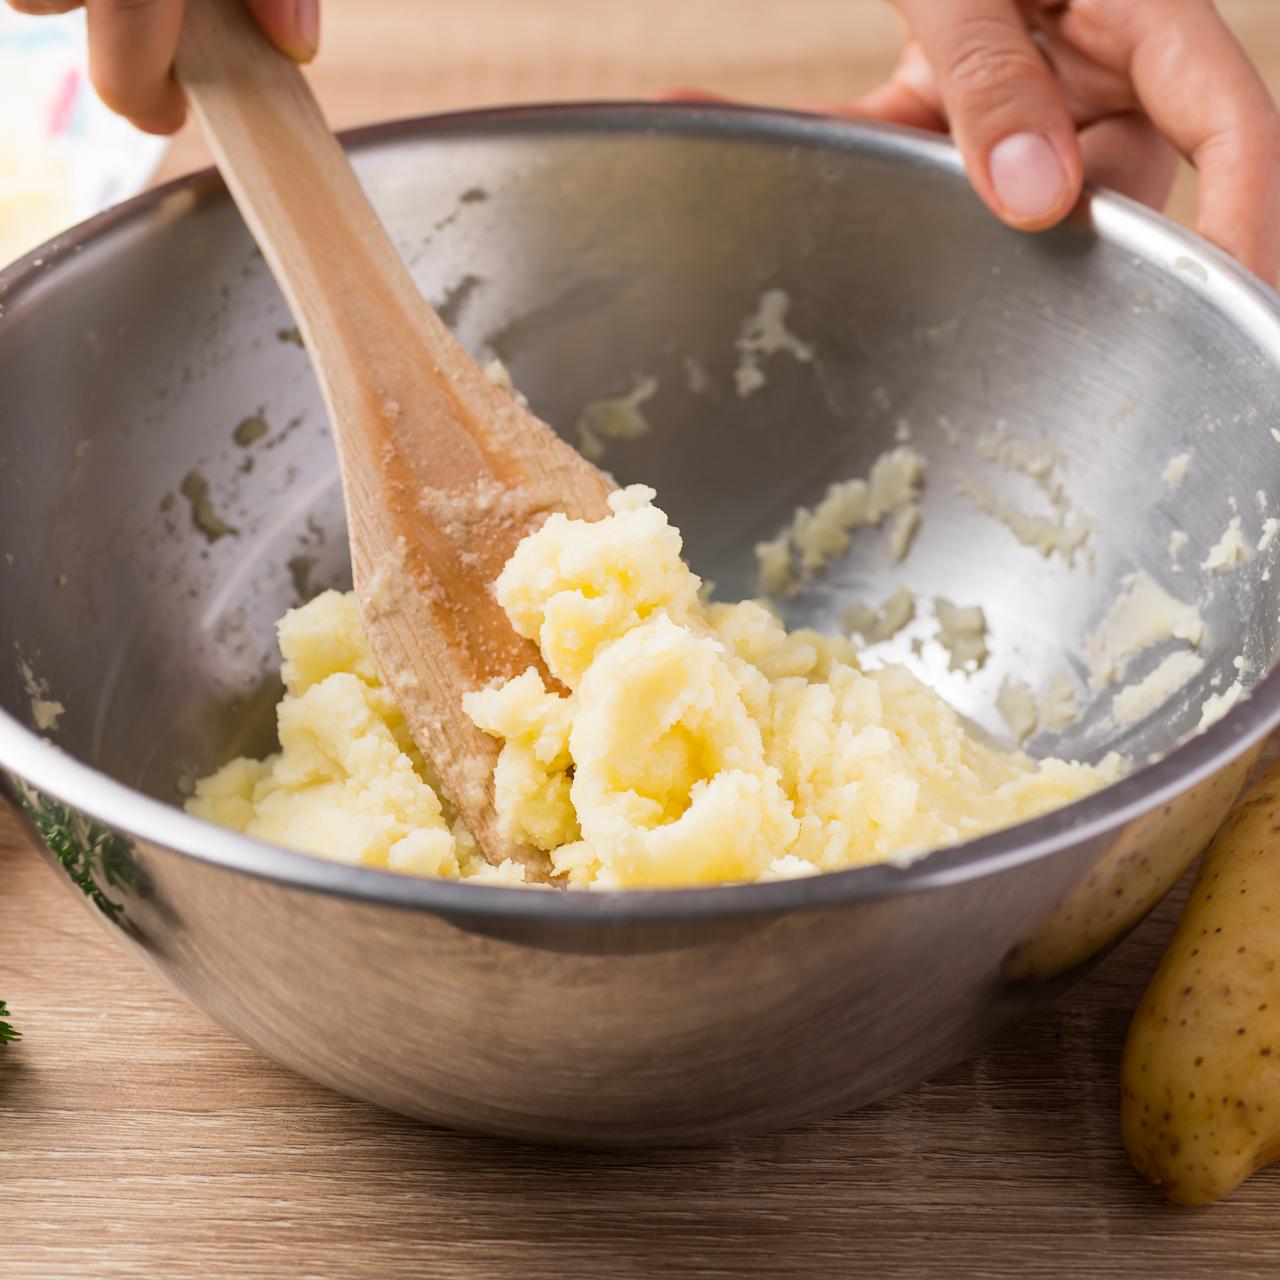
442 472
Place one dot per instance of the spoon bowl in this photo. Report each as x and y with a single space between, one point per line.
442 472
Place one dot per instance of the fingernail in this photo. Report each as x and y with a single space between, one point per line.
307 24
1028 176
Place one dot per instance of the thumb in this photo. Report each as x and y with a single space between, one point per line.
292 25
1005 108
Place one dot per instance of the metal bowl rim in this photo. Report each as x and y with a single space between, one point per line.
48 769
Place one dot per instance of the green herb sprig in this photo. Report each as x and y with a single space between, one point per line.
92 856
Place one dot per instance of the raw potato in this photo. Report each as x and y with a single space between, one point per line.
1127 881
1200 1096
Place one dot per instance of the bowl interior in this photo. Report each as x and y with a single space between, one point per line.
168 488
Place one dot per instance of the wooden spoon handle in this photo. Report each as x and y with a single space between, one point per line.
380 351
342 277
286 170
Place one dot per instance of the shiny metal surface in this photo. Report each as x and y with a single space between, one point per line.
590 247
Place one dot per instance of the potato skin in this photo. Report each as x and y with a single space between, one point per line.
1134 874
1200 1082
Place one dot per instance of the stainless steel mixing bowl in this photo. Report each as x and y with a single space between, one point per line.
167 488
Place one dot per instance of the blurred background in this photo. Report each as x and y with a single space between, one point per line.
62 157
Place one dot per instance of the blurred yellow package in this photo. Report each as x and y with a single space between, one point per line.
63 155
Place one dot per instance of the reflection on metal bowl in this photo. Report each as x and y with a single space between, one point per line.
149 540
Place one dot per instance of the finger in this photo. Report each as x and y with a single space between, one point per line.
1127 153
889 104
292 25
1005 108
1092 89
1202 92
131 48
910 96
42 8
690 95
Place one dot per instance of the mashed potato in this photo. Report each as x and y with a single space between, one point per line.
348 783
696 744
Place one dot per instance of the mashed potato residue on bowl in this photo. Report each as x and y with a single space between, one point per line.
697 743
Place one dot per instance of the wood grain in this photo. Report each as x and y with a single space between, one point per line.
138 1139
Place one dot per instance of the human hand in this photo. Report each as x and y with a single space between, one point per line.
1040 94
132 44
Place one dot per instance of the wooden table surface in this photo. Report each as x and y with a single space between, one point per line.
138 1139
